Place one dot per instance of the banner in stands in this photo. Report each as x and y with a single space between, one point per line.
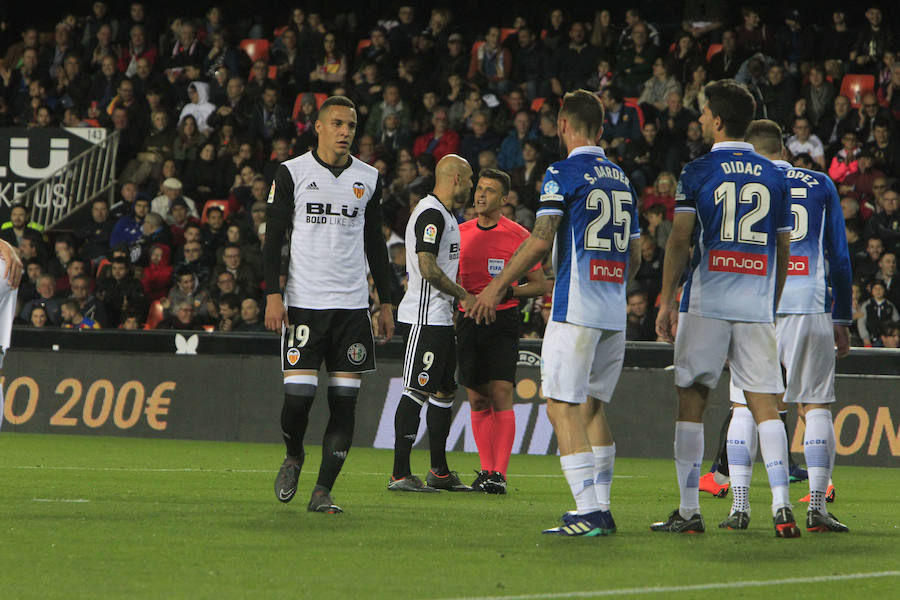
29 155
238 398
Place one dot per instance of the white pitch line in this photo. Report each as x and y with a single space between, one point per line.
67 500
195 470
689 588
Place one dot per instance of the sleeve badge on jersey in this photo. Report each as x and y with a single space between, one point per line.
429 236
358 190
271 198
551 187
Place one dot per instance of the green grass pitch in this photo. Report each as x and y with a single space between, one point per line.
93 517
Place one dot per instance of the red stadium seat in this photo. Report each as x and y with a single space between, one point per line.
279 30
154 315
713 50
320 98
256 49
538 102
362 45
100 266
506 32
223 204
855 86
476 46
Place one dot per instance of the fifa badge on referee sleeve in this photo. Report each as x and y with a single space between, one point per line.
430 234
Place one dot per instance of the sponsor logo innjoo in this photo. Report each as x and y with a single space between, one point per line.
738 262
799 265
608 270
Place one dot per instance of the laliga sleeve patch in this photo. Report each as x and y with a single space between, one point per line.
429 236
271 198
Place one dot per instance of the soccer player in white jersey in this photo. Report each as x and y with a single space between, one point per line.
331 203
588 212
806 333
429 367
11 267
733 205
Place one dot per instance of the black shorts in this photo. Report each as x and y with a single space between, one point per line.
488 352
342 337
430 361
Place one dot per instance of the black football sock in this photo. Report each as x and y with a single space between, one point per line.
406 426
438 418
294 419
338 433
791 464
720 463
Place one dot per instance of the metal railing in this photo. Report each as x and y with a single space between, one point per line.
85 177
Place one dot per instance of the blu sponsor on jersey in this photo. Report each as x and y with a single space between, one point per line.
429 236
326 212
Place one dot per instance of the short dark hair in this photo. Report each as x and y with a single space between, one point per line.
733 103
497 175
213 208
426 160
232 300
337 101
584 110
657 209
72 304
765 135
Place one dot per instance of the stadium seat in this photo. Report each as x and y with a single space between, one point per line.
320 98
362 45
279 30
209 328
506 32
538 102
713 50
476 46
633 103
100 266
154 315
223 204
854 86
256 49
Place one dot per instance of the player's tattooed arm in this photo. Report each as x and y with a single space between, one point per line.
433 274
531 250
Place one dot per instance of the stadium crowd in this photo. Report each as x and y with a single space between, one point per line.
207 108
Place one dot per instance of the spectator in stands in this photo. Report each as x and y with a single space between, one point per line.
865 266
510 155
633 17
859 184
526 178
100 46
214 229
674 118
72 85
269 119
38 317
635 63
204 175
869 114
138 47
887 274
64 253
187 290
154 230
645 158
19 223
649 275
657 88
878 313
522 215
187 142
391 104
778 93
481 139
72 317
621 123
120 291
658 227
833 127
884 149
549 139
331 66
232 262
889 94
531 64
236 104
491 63
199 106
187 50
182 316
886 223
663 193
103 86
804 140
440 141
157 147
47 298
16 51
63 44
871 43
249 317
179 220
127 229
890 337
229 311
33 269
172 191
574 63
844 162
819 94
89 305
640 325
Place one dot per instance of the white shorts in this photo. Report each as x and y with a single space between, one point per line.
702 344
577 362
806 349
7 312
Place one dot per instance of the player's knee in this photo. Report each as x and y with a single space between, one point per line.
416 396
441 401
345 388
300 385
479 403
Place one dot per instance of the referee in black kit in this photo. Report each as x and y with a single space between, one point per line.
331 202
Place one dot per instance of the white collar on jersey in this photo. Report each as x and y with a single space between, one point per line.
735 145
587 150
783 163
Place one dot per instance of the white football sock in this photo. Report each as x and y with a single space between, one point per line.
741 448
579 472
774 449
604 461
688 455
818 448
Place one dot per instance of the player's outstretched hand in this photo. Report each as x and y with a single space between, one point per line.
842 340
385 323
276 312
467 303
13 273
667 323
485 308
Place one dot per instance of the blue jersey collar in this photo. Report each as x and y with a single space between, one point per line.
783 164
589 150
742 146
